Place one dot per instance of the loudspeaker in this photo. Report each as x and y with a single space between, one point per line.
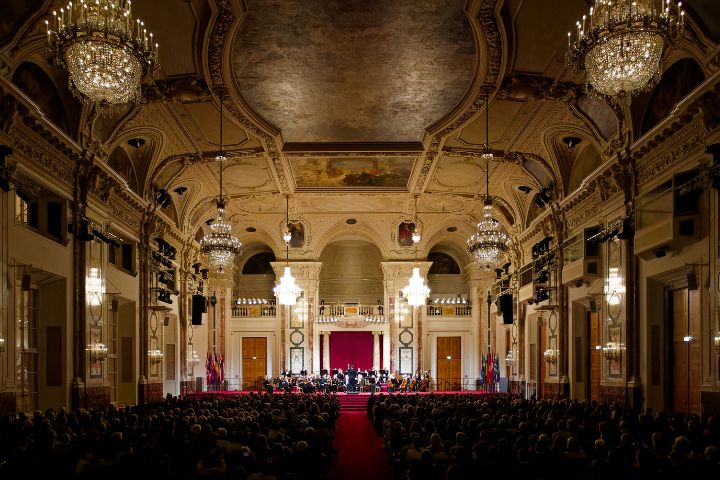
115 305
198 307
692 281
593 306
506 302
167 320
25 282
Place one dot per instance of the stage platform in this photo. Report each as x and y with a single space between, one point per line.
220 393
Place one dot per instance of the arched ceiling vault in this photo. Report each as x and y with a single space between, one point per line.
353 107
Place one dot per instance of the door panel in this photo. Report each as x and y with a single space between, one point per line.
448 363
254 362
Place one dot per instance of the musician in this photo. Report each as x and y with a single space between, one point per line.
352 378
268 386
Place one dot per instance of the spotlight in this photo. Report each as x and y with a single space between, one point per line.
180 190
100 235
163 199
84 234
204 273
539 203
628 230
196 268
544 195
661 252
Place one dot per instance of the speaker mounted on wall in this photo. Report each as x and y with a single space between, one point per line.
198 308
692 281
25 284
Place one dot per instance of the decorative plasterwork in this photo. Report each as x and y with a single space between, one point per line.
302 271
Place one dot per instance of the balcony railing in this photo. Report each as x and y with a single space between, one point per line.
448 310
254 311
350 310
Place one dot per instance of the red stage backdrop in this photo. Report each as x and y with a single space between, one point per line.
351 348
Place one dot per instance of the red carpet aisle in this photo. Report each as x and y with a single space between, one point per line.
361 454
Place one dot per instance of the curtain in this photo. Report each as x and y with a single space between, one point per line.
351 348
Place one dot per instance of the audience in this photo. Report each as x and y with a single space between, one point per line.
444 437
248 436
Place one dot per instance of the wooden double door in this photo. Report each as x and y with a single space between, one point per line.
449 358
686 348
254 362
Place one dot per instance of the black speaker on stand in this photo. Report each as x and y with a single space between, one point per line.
198 308
506 304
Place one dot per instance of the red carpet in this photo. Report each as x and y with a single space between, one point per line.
361 454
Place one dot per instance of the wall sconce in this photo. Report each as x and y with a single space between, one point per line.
611 351
98 351
194 360
551 355
156 356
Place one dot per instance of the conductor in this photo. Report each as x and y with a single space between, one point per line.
352 378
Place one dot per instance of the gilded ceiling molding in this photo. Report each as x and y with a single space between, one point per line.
224 23
489 30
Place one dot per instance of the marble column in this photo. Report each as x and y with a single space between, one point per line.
376 350
479 281
326 351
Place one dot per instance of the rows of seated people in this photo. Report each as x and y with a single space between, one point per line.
465 436
249 436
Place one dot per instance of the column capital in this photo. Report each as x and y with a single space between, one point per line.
476 273
403 270
300 270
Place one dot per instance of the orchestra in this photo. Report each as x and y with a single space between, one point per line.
349 381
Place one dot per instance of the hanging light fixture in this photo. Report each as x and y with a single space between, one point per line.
106 53
220 245
416 291
488 244
287 290
416 233
621 44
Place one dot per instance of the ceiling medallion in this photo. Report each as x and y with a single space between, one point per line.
220 245
106 53
621 44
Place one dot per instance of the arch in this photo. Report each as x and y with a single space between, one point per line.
351 271
678 80
442 264
365 228
599 115
587 159
259 264
120 161
40 88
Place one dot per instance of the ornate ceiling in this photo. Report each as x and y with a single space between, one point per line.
351 107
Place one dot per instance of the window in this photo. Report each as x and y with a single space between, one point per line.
122 256
45 214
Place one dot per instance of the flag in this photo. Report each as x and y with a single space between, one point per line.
482 370
496 369
489 369
209 368
221 368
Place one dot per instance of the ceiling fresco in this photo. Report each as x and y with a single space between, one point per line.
352 173
353 70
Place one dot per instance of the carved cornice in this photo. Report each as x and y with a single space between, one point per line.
403 270
309 271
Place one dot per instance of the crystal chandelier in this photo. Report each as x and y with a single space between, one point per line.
416 291
287 290
488 244
156 356
106 53
220 245
621 44
551 355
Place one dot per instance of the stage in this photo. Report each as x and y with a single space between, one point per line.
231 393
